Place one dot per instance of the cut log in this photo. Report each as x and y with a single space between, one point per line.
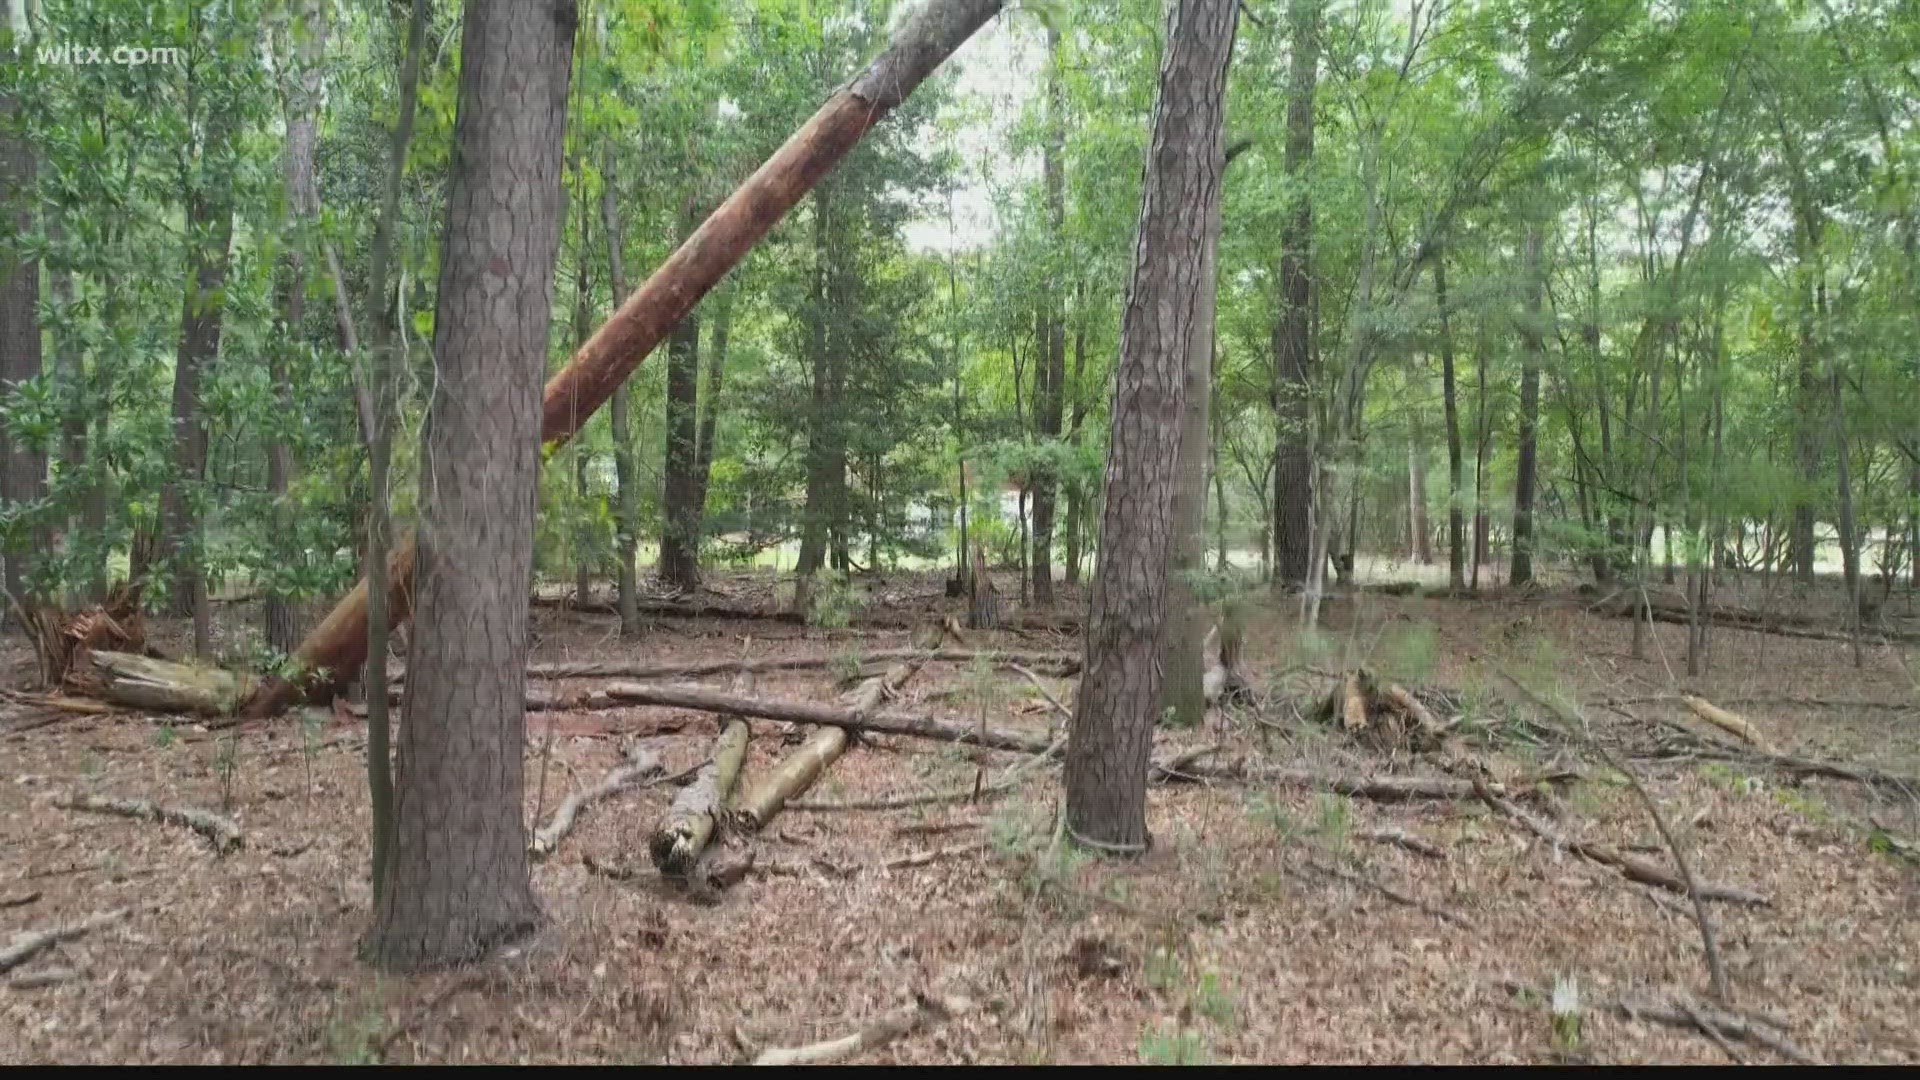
683 834
141 682
798 770
29 943
886 721
639 765
921 44
903 1021
1632 867
1732 723
218 829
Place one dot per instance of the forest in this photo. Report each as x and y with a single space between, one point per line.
960 531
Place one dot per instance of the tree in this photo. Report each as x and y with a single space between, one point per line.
23 470
1532 347
457 873
1050 383
1293 328
1112 730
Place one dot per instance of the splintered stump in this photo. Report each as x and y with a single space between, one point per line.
142 682
797 771
983 606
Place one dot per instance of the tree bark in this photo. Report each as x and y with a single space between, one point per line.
23 471
1293 338
679 518
457 871
1183 702
710 405
1049 396
309 36
1525 471
626 514
1112 731
1076 494
600 367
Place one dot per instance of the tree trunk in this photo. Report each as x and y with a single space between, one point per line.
1456 512
815 518
1183 702
1421 544
1112 731
303 205
23 471
679 520
600 367
1525 471
1076 495
710 405
626 513
457 871
1293 344
1048 405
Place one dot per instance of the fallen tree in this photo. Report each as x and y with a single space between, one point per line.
145 683
798 770
28 943
1777 623
922 43
219 830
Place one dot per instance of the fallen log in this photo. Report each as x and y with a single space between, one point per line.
679 609
219 830
798 770
1631 867
886 722
639 765
1059 664
903 1021
921 44
1372 788
1727 721
28 943
1775 623
682 835
142 682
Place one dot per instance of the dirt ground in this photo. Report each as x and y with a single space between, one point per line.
1224 944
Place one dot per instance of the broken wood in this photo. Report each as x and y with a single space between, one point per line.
798 770
924 1011
683 834
1727 721
142 682
1632 867
922 43
983 603
638 765
1353 704
1373 788
887 722
28 943
219 830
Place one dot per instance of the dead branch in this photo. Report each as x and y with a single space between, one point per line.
639 765
925 1010
922 858
1419 845
1388 891
221 831
798 771
20 899
1374 788
807 712
34 980
1727 721
28 943
1044 692
1059 664
1730 1025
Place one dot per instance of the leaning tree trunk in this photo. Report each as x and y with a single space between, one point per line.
1112 731
1525 471
1293 325
303 206
601 366
457 874
23 471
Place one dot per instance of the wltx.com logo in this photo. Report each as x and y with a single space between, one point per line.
66 54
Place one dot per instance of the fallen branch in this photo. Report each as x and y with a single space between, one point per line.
798 770
886 722
1060 664
221 831
20 899
28 943
1389 892
1419 845
922 858
1689 1015
924 1011
1374 788
34 980
1727 721
638 765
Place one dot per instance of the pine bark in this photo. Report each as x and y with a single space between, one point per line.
457 875
23 471
1049 396
679 517
1112 731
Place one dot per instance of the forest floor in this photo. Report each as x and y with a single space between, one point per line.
1255 930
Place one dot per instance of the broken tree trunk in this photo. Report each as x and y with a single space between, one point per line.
220 831
798 770
142 682
921 44
639 765
683 834
886 722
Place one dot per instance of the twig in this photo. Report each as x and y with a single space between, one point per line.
19 899
28 943
1044 692
221 831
